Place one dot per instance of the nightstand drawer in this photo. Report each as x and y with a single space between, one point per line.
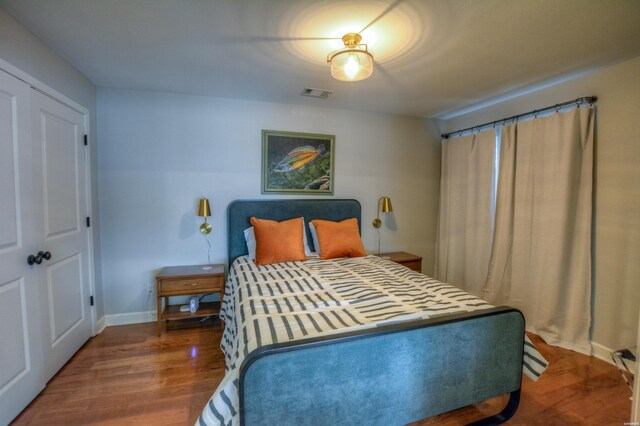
416 265
192 284
408 260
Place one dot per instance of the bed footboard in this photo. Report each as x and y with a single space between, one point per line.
393 374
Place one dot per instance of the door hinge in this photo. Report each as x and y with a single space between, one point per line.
86 140
91 300
88 222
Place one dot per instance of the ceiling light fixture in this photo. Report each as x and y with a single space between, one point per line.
353 62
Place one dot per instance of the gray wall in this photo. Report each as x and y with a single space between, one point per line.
25 51
161 152
617 186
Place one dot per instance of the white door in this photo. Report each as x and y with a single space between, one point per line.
60 194
21 374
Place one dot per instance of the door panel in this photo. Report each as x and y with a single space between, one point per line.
9 186
14 350
60 146
59 167
65 296
21 371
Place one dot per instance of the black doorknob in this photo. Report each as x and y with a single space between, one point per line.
37 259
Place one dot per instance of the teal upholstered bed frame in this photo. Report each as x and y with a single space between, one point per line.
388 375
239 214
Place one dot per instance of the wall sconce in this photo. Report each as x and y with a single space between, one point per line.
204 211
385 202
384 205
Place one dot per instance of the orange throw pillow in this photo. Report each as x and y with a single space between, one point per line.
278 241
339 239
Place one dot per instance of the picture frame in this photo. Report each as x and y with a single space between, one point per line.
297 163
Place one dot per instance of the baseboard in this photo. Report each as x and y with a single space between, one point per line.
130 318
602 352
100 325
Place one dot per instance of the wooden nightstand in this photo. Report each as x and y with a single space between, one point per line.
188 281
409 260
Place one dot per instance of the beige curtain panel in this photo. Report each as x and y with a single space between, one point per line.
541 255
466 210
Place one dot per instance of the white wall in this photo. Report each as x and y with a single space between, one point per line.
161 152
28 53
617 187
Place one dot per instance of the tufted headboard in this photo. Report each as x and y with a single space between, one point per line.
239 213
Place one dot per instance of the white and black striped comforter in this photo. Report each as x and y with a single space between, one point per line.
295 300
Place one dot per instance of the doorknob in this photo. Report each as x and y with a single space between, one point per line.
34 259
37 259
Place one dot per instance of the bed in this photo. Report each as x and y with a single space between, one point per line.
354 341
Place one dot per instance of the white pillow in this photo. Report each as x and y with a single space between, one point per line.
314 237
250 239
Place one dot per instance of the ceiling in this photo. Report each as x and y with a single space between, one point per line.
433 57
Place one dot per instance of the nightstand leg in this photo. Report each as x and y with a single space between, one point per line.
159 313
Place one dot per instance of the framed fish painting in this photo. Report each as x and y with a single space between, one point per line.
297 163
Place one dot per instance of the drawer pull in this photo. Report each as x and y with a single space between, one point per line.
193 284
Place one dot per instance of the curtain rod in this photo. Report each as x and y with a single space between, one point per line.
588 99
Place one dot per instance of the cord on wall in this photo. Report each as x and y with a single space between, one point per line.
149 294
208 250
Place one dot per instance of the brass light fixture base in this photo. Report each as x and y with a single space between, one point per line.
377 223
351 39
205 228
351 44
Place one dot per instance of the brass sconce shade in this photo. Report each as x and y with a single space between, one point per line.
384 205
204 210
353 62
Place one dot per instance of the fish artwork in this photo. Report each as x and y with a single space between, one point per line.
299 157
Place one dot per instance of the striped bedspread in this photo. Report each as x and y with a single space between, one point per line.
290 301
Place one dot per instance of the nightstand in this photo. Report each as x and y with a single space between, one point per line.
188 281
409 260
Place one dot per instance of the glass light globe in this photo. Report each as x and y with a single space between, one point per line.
352 65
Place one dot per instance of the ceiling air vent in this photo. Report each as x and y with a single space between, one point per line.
316 93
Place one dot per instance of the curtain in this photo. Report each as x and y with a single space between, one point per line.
466 211
541 254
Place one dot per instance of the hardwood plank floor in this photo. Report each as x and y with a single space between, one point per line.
128 375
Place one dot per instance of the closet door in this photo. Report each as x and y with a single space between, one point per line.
60 192
21 376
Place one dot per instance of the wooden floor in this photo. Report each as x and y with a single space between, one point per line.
129 376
